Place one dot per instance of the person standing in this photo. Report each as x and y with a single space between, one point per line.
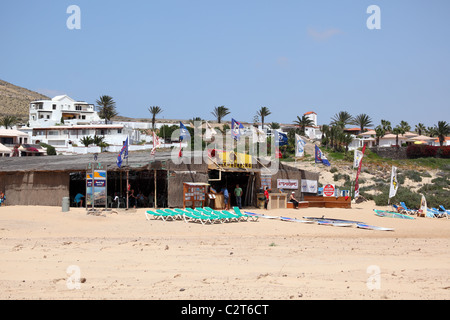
266 196
238 195
226 198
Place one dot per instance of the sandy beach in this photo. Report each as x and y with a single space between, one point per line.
121 255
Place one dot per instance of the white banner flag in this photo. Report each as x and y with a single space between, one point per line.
357 158
258 135
209 133
423 205
299 146
156 143
394 183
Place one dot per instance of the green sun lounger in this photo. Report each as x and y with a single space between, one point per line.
190 216
213 214
159 214
241 215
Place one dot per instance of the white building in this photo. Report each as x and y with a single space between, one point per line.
65 136
61 108
313 116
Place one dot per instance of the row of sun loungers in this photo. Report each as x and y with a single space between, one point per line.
201 215
440 212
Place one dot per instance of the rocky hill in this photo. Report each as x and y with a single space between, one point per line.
15 100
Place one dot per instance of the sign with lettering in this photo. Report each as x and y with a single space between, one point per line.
329 190
287 184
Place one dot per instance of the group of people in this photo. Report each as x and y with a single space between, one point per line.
238 194
226 196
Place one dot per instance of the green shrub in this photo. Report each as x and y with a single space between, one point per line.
413 175
51 151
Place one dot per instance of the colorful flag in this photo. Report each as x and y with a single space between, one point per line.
236 128
123 154
394 183
299 146
184 132
320 157
278 154
156 143
281 139
359 171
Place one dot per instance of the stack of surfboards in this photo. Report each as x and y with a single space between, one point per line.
325 222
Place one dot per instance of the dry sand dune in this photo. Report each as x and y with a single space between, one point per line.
123 256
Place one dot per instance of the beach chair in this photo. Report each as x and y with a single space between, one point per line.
407 210
158 214
398 209
192 216
245 216
446 211
213 214
174 214
433 213
438 213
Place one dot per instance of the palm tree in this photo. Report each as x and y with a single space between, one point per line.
362 121
87 140
263 112
398 130
325 135
107 108
405 125
303 122
335 132
8 121
420 127
442 130
346 139
386 125
379 132
220 112
431 131
154 111
342 119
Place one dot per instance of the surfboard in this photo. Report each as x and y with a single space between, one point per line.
262 215
369 227
334 220
390 214
295 220
333 223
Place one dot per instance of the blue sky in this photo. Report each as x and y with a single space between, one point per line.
187 57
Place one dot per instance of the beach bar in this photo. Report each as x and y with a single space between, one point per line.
157 180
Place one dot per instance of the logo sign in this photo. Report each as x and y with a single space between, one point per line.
287 184
328 190
309 186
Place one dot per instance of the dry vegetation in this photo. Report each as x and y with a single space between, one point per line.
15 100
